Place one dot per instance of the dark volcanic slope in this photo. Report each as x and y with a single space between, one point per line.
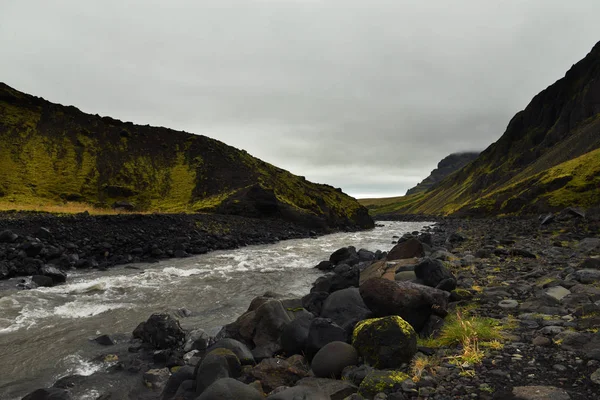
448 165
49 152
548 158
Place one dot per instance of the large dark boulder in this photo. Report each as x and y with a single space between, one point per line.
411 301
229 388
321 332
313 302
330 361
386 342
407 249
343 254
345 276
161 332
238 348
219 363
433 272
295 334
7 236
54 273
48 394
184 373
345 307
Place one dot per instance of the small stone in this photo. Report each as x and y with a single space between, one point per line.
508 304
105 340
595 377
559 367
541 341
557 293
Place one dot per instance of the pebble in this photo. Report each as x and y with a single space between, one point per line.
508 304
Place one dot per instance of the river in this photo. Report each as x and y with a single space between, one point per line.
45 333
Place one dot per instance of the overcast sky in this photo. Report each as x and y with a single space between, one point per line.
361 94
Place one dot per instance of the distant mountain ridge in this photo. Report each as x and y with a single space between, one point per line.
548 158
49 152
445 167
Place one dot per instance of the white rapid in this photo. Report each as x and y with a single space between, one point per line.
44 333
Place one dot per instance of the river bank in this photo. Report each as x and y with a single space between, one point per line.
498 309
46 245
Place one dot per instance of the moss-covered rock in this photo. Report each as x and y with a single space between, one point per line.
381 382
386 342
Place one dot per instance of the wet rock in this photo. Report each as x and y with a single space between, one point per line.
335 389
343 254
54 273
160 331
156 379
411 301
331 359
48 394
345 307
407 249
197 339
32 248
105 340
42 281
228 388
386 342
434 273
325 266
321 332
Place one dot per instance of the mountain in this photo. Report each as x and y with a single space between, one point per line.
548 158
448 165
49 152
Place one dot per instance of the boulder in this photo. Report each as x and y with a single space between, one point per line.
411 301
184 373
48 394
219 363
407 249
343 254
335 389
345 276
294 335
160 331
387 269
275 372
8 236
321 332
229 388
313 302
156 379
345 307
105 340
54 273
330 361
382 382
42 280
299 393
197 339
325 266
366 255
238 348
32 248
386 342
433 273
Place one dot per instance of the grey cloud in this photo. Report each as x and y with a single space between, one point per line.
367 96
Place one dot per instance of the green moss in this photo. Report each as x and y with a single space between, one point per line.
388 381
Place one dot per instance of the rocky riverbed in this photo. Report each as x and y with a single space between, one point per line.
483 309
44 246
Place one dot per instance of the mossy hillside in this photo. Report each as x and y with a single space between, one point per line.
516 174
55 153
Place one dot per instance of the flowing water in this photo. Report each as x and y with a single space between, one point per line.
45 333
